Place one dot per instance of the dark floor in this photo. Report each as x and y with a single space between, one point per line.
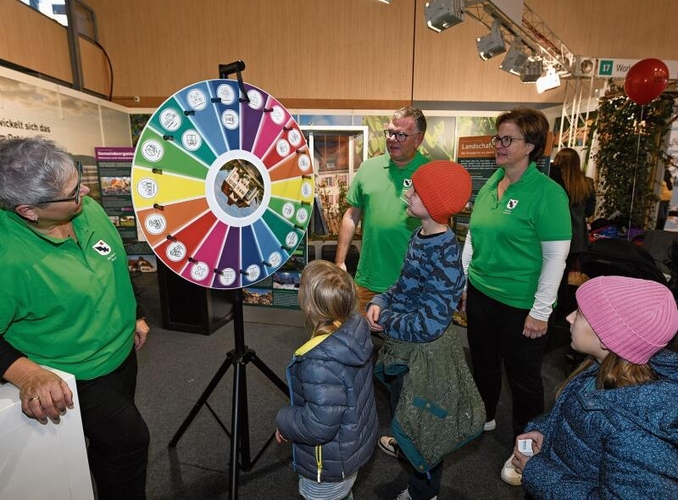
175 369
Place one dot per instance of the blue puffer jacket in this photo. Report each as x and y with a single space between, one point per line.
615 443
332 420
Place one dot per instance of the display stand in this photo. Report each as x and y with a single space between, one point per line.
223 189
239 357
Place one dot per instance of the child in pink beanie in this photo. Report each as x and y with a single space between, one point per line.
613 432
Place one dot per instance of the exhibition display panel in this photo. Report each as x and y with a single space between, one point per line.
223 190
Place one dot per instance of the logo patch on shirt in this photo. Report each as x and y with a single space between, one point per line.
407 183
512 204
102 247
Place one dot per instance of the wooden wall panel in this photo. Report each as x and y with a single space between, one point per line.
359 54
625 29
448 69
323 51
447 66
32 40
96 74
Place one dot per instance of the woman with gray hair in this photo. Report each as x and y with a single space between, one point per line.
66 302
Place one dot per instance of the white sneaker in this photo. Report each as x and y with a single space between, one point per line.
405 495
510 475
490 426
388 445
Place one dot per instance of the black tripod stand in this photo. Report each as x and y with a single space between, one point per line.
239 357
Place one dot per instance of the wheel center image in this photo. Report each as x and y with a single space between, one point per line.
238 188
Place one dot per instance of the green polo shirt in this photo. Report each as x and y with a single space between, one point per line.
377 190
64 304
507 235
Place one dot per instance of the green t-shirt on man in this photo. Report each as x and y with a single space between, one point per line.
378 189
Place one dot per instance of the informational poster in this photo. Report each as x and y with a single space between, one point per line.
115 169
76 121
476 154
140 258
281 289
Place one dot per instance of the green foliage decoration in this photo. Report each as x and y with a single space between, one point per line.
631 141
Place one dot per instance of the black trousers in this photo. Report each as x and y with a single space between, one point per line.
118 436
495 337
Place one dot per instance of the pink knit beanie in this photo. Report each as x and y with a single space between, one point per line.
634 318
444 188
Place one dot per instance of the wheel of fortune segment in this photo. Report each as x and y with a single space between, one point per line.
222 184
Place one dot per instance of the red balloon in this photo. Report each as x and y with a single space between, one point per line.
646 80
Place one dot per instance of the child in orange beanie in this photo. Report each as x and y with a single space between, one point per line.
436 406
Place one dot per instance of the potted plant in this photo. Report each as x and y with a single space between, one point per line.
631 141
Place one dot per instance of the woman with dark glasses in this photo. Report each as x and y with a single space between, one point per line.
66 302
513 257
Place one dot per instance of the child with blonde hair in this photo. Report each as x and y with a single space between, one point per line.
613 432
332 417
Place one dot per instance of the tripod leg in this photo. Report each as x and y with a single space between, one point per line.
203 398
269 373
239 411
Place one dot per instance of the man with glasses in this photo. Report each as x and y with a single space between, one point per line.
376 198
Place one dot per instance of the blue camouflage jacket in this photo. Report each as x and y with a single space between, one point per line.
420 305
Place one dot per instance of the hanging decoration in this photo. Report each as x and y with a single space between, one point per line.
646 80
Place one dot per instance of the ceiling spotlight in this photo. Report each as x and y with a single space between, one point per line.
515 59
584 66
443 14
531 71
551 80
491 44
385 1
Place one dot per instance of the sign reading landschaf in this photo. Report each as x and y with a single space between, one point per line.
617 68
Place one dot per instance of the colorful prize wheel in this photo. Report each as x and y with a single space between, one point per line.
222 184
